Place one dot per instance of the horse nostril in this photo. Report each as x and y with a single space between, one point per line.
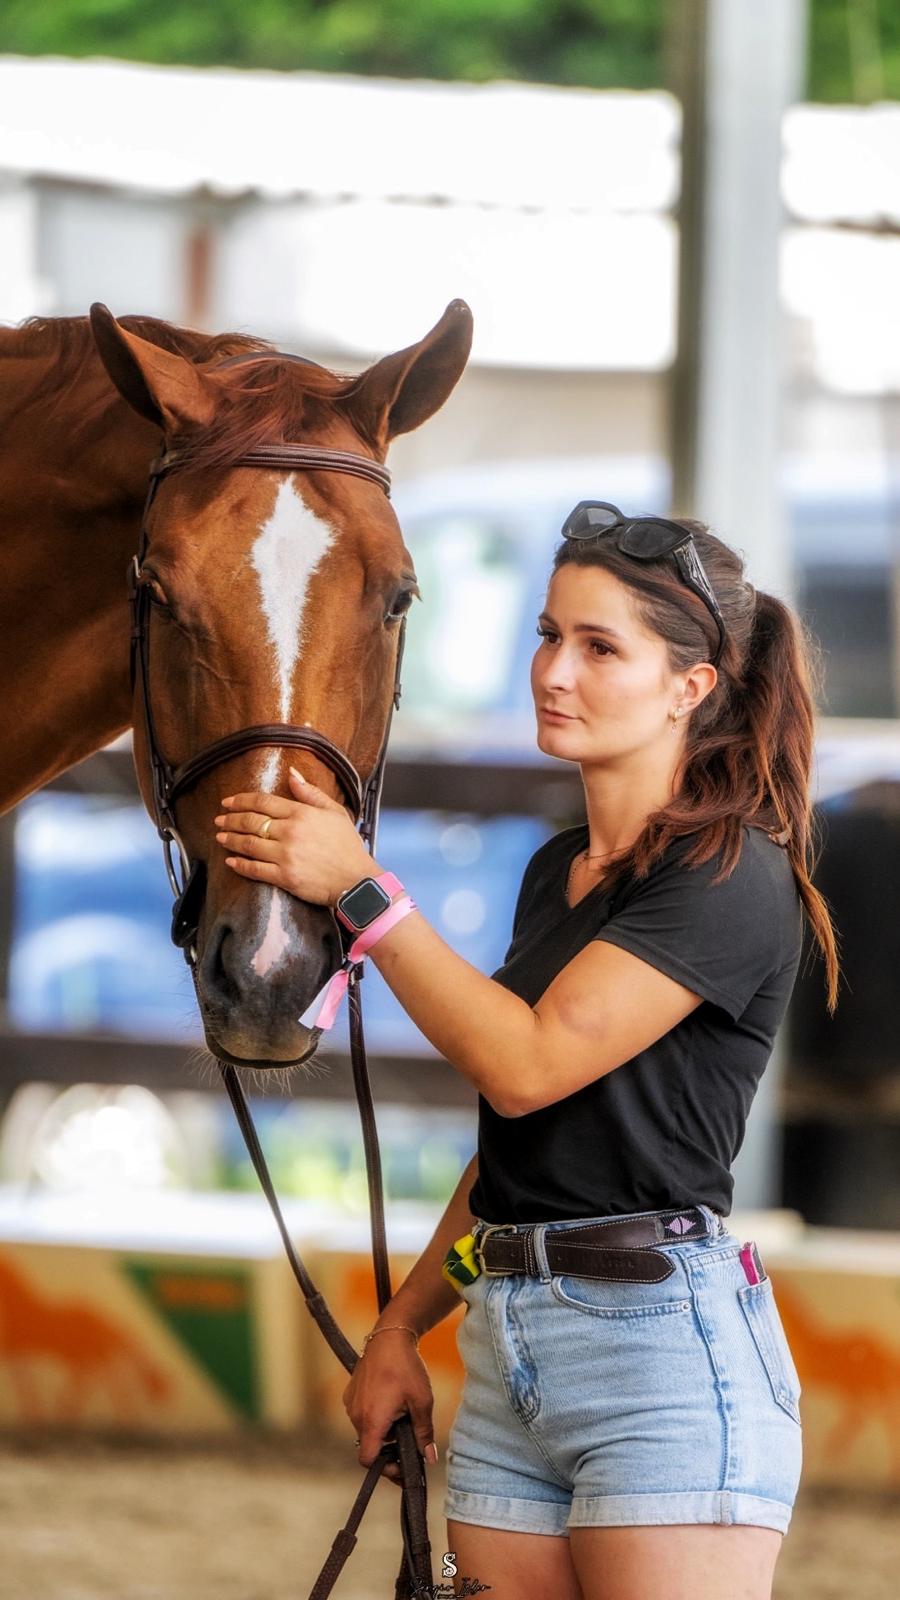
237 994
218 977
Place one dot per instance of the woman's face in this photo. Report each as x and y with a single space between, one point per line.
601 666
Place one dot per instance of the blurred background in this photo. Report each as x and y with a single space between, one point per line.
678 228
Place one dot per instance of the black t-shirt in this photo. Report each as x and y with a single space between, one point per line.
663 1129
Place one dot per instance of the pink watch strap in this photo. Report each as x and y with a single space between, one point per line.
385 880
374 931
390 882
324 1008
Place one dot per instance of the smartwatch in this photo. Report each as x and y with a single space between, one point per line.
359 907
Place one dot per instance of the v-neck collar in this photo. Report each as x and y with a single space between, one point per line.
584 830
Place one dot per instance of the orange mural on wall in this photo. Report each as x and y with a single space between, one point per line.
358 1307
856 1369
62 1355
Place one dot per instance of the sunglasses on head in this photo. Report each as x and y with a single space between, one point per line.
646 539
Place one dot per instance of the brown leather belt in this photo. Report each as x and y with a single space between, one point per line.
617 1249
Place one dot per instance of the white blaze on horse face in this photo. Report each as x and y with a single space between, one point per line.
275 942
286 553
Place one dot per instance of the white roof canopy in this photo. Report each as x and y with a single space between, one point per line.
174 130
177 129
551 210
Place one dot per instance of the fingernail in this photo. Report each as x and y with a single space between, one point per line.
227 800
298 775
219 820
431 1453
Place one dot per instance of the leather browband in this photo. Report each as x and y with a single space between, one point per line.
292 457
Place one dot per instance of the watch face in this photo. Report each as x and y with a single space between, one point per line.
362 904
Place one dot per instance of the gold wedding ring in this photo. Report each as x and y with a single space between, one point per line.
264 830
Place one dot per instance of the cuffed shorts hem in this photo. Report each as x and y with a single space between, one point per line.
726 1506
498 1511
718 1506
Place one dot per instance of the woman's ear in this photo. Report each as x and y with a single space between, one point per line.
698 683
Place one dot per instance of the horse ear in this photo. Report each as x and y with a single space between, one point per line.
159 384
403 390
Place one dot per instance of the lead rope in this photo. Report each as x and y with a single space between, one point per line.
415 1575
415 1567
414 1578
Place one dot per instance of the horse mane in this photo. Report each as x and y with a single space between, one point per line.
69 339
273 401
266 402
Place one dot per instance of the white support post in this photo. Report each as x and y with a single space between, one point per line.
741 67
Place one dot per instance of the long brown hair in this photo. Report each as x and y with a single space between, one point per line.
749 743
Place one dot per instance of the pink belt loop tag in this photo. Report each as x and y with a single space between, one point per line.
748 1263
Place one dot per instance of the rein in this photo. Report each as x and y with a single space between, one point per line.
188 881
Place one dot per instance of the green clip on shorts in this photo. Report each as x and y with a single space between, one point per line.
460 1266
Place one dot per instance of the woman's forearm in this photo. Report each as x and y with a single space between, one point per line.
487 1033
484 1030
425 1297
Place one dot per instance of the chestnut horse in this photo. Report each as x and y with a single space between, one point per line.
278 597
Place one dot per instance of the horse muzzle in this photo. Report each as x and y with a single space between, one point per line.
257 968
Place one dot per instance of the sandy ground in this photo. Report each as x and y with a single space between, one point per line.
101 1521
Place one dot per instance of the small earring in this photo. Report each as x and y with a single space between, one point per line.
675 713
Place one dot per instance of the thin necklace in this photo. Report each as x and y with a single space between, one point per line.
584 855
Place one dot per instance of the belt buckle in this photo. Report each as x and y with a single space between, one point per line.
478 1251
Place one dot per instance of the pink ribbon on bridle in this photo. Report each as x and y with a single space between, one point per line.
321 1012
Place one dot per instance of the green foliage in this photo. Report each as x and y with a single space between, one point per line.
854 44
854 50
594 42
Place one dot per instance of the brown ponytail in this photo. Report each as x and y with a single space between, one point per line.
749 745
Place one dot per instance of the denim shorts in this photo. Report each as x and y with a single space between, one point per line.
596 1404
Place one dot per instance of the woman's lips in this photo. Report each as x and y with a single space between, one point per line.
556 716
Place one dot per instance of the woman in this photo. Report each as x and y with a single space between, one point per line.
629 1424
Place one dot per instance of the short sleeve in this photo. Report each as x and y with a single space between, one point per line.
720 940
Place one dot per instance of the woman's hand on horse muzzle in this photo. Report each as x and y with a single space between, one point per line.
308 845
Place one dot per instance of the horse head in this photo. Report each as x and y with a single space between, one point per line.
275 596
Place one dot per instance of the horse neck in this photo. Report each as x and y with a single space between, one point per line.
70 501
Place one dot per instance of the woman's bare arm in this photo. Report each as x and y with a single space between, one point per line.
605 1007
391 1378
424 1297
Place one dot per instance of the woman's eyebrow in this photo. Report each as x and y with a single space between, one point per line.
585 627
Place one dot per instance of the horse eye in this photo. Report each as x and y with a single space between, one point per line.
156 592
401 605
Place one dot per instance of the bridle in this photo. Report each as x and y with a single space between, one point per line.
169 783
188 881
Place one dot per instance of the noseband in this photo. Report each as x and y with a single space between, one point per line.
188 881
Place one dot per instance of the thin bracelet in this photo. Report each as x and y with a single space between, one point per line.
391 1327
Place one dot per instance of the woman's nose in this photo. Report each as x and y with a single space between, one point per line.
559 672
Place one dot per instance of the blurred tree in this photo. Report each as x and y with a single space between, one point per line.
854 44
854 50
